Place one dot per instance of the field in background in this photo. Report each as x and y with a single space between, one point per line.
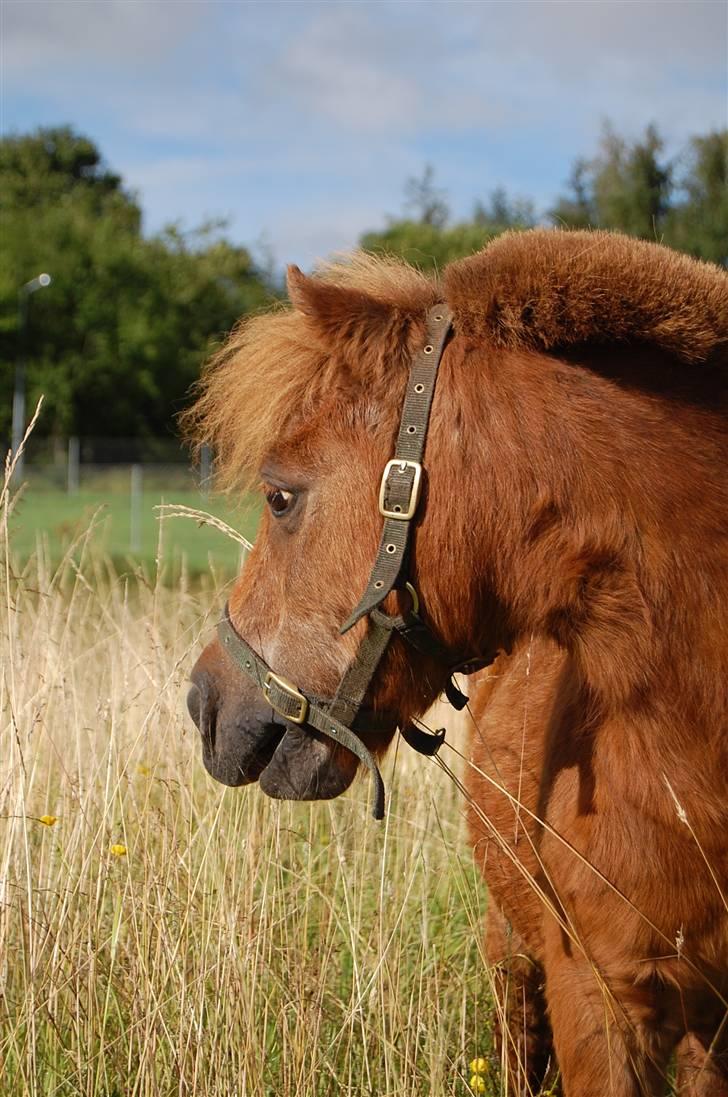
161 935
116 485
127 528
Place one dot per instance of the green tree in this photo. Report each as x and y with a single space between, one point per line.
698 221
430 242
426 246
501 212
625 187
633 188
426 200
59 166
576 209
116 340
632 185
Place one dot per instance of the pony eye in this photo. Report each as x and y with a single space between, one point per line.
279 500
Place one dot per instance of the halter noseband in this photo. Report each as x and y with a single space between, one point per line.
399 496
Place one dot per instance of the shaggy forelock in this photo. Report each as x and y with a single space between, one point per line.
275 367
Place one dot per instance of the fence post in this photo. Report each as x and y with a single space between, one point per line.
205 469
74 461
135 538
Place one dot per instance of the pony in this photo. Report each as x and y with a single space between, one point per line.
574 518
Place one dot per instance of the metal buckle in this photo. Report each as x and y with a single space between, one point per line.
401 515
290 690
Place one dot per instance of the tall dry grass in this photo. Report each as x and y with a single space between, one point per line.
161 935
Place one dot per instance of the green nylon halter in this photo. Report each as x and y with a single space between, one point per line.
398 500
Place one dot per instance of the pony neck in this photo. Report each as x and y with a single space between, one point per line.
607 523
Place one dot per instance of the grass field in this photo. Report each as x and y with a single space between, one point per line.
161 935
56 519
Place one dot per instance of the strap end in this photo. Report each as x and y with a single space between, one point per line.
378 806
424 742
359 612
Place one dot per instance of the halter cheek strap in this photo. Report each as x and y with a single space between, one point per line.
399 495
401 485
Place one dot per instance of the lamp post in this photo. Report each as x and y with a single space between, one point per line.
18 428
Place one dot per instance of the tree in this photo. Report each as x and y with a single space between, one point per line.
429 242
633 188
118 338
426 200
502 212
625 187
698 222
59 166
425 246
576 209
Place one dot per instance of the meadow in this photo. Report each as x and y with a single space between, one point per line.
49 521
162 935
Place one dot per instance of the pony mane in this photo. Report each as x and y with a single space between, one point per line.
543 290
546 288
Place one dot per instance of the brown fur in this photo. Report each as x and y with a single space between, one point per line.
576 512
548 290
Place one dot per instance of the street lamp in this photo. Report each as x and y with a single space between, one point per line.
18 428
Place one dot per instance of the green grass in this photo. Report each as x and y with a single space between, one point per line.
57 519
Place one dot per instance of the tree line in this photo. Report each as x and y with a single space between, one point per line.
632 187
117 342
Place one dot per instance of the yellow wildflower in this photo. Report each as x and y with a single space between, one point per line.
48 820
479 1066
118 850
143 770
477 1083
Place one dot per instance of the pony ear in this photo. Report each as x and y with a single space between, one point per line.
334 310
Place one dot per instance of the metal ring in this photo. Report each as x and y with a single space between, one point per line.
415 598
391 548
379 584
438 317
428 349
412 430
419 388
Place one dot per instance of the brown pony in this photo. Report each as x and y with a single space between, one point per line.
575 516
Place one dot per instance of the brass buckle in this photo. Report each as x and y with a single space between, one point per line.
290 690
401 515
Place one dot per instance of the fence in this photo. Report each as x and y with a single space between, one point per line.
118 484
97 463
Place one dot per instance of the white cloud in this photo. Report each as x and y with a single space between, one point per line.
305 118
98 33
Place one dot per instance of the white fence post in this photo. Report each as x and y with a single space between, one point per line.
135 538
205 469
74 463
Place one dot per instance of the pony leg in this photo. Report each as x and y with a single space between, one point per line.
604 1047
701 1073
521 1029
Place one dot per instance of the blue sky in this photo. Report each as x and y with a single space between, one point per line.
300 121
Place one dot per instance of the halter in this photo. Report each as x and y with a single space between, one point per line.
399 495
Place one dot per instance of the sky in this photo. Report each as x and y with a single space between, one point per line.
300 121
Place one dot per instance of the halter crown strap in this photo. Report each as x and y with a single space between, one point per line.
401 486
